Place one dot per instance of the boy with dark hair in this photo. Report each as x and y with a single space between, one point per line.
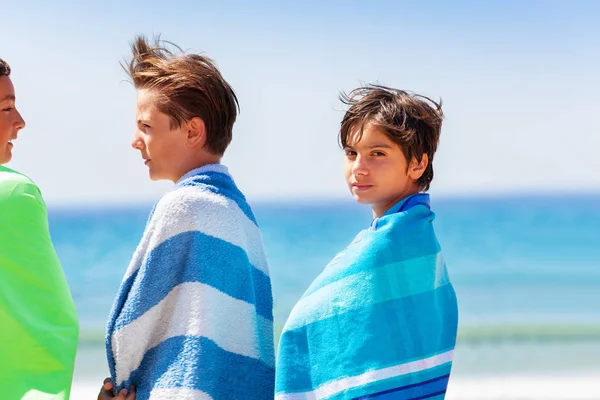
37 315
380 322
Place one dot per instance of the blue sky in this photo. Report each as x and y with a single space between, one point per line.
519 83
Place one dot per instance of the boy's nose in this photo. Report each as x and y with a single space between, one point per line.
136 141
359 167
20 121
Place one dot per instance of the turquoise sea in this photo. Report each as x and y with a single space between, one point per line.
526 270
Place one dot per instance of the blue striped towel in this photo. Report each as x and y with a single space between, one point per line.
379 322
193 318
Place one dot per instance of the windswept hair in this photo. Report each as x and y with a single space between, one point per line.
410 120
187 86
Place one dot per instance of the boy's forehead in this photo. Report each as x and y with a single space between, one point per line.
366 134
7 90
145 104
145 98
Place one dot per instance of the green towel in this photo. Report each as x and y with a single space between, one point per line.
38 320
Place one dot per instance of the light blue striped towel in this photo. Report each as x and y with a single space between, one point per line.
380 322
193 318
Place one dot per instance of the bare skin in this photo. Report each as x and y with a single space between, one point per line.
107 390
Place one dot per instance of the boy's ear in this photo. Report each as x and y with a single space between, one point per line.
196 133
416 168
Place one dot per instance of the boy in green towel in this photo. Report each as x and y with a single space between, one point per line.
37 315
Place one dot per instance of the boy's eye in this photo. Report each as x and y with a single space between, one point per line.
378 154
350 153
7 109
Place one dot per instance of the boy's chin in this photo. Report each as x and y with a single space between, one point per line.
5 158
160 177
362 199
156 177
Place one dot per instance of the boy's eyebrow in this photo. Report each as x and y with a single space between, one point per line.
8 97
373 146
380 145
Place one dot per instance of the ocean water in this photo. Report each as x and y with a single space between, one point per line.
526 269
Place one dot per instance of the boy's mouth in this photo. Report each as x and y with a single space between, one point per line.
361 187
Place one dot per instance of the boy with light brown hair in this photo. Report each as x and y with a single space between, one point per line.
193 317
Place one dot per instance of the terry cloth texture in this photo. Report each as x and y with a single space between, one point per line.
193 318
380 322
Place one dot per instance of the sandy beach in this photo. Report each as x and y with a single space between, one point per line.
560 371
513 387
520 387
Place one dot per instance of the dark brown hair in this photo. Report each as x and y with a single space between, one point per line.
410 120
188 86
4 68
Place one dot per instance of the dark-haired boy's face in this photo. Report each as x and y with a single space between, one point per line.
11 121
162 148
376 170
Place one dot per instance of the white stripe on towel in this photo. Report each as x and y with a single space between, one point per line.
192 309
179 394
195 209
332 388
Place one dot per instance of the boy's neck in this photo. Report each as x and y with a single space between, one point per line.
380 209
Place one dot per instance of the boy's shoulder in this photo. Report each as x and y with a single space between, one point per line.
10 175
185 204
14 184
208 201
188 198
190 210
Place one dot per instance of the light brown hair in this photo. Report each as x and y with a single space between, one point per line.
410 120
188 85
